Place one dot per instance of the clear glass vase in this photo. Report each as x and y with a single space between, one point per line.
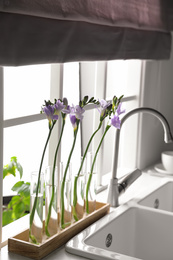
78 193
36 208
91 184
78 209
66 197
51 201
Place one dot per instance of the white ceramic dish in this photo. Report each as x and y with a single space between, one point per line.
167 160
160 168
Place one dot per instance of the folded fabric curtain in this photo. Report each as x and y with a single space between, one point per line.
56 31
138 14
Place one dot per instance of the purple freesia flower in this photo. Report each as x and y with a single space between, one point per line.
59 106
103 105
49 111
120 110
79 112
73 116
66 110
116 122
76 113
73 120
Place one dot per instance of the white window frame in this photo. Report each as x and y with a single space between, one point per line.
1 148
56 90
98 82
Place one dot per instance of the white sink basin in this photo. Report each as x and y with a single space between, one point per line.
129 232
161 198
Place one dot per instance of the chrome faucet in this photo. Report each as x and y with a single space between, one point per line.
116 188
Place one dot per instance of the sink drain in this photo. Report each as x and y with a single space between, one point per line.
108 241
156 204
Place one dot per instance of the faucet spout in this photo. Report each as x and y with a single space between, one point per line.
113 192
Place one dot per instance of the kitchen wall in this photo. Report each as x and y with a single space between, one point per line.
157 92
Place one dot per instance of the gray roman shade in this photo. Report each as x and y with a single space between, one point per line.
57 31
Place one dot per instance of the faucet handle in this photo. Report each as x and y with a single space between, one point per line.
128 179
115 188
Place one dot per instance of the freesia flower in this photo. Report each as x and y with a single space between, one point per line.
120 110
76 113
64 109
104 105
73 120
49 110
79 112
108 109
116 122
59 106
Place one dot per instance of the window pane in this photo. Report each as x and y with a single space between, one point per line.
122 77
71 82
26 142
25 89
71 91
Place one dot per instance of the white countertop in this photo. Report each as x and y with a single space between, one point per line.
143 184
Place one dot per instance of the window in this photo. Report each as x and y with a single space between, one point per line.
23 130
25 89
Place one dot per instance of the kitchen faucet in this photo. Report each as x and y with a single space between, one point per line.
115 188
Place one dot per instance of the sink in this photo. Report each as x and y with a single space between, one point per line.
129 232
161 198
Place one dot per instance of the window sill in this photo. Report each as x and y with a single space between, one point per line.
22 224
14 228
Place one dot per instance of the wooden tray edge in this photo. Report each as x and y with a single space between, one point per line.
25 248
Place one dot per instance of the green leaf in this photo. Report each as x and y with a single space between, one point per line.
25 190
19 209
15 200
5 173
26 201
17 186
22 188
11 168
20 169
17 165
14 159
6 217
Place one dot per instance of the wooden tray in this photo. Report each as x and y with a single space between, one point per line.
20 244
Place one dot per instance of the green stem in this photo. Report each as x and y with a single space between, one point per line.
53 181
92 167
65 173
86 150
37 187
76 178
